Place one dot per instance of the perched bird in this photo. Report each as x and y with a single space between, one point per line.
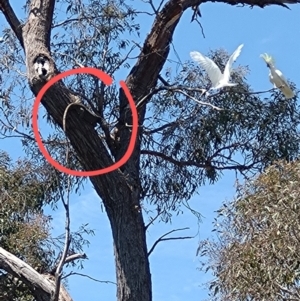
218 80
276 77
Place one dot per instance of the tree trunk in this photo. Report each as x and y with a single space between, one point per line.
131 259
119 190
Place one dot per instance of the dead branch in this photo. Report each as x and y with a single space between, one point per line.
39 284
208 165
58 272
152 220
69 259
87 276
169 238
12 19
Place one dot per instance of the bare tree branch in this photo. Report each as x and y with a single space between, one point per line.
170 159
169 238
39 285
251 3
94 279
58 272
152 220
75 257
12 19
180 89
203 103
69 259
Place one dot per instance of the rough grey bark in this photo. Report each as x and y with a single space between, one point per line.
119 190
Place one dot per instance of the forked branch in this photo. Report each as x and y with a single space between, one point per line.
164 238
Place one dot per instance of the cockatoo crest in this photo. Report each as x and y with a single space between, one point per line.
268 58
276 77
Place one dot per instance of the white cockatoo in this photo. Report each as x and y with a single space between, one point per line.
218 80
276 77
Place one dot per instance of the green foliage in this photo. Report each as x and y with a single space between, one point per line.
256 256
83 35
24 228
187 144
184 144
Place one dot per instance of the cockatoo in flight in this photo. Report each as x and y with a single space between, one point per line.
218 80
276 77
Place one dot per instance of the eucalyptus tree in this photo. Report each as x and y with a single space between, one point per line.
180 145
255 256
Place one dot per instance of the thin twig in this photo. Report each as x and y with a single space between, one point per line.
202 30
180 88
260 92
170 238
181 163
67 21
69 259
152 220
58 273
199 101
84 275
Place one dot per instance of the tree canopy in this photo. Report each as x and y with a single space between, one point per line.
184 139
256 255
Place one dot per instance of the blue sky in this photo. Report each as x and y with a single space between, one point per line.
175 277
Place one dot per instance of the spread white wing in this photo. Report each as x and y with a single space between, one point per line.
209 66
231 60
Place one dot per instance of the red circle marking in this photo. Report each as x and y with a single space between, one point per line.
106 79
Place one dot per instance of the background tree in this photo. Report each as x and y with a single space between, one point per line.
256 256
180 144
24 228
